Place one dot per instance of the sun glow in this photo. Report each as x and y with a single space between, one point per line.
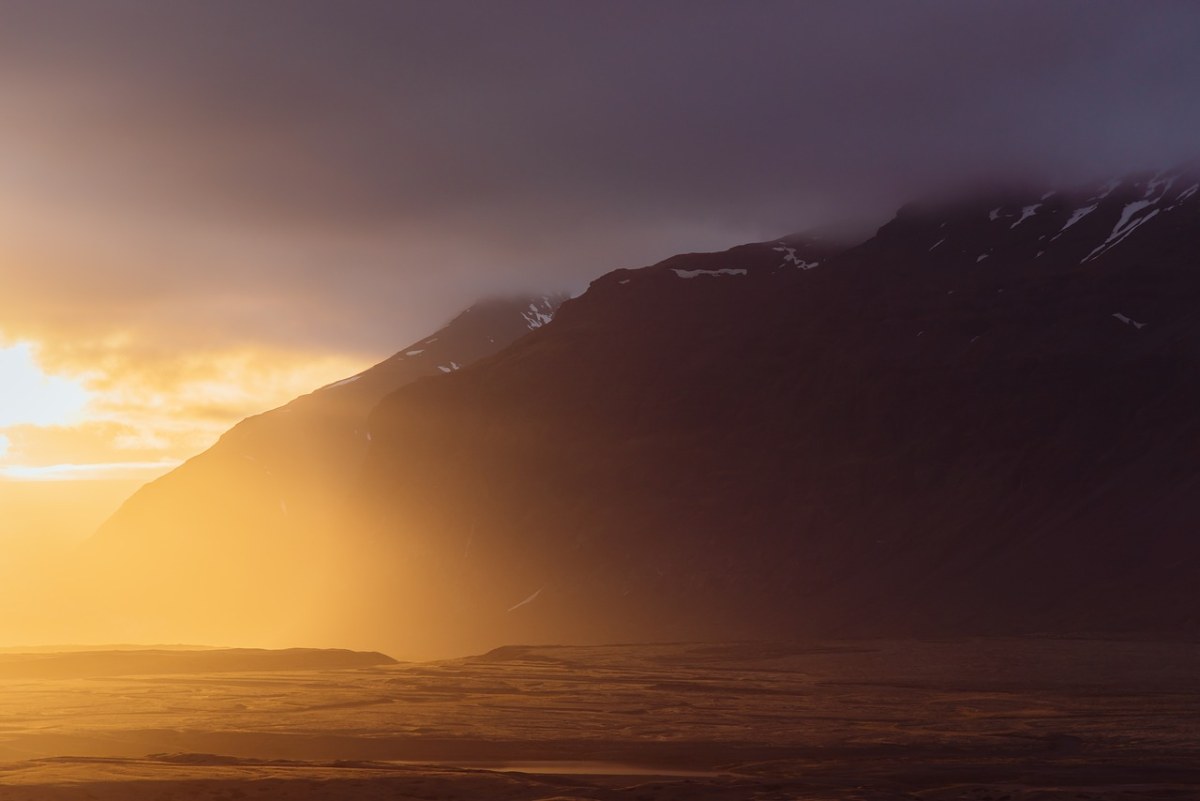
103 407
28 396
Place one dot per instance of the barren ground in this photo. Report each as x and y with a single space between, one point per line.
987 720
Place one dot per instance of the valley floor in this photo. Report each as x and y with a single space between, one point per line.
985 719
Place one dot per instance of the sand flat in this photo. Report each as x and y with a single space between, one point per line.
1022 718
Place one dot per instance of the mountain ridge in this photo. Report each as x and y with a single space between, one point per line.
813 390
242 530
928 433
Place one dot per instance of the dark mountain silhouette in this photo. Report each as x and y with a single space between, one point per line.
981 420
284 461
242 528
984 419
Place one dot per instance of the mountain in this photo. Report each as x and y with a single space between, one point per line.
240 528
981 420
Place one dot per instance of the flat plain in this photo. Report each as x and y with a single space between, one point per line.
980 719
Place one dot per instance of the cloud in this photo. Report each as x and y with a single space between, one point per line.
338 179
141 408
93 471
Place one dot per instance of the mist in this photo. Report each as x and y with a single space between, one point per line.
371 169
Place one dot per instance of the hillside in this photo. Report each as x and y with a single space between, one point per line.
982 420
240 541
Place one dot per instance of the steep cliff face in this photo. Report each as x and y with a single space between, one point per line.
983 419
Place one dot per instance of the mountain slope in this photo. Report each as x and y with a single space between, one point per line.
981 420
229 542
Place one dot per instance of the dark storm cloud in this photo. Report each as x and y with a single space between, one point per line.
389 159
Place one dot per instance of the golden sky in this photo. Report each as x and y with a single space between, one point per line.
95 420
207 209
93 411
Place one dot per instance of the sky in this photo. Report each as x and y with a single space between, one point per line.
207 208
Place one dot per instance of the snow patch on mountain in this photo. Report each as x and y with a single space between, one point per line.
694 273
343 382
1125 226
1026 213
538 315
1107 189
1160 185
790 257
1076 216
